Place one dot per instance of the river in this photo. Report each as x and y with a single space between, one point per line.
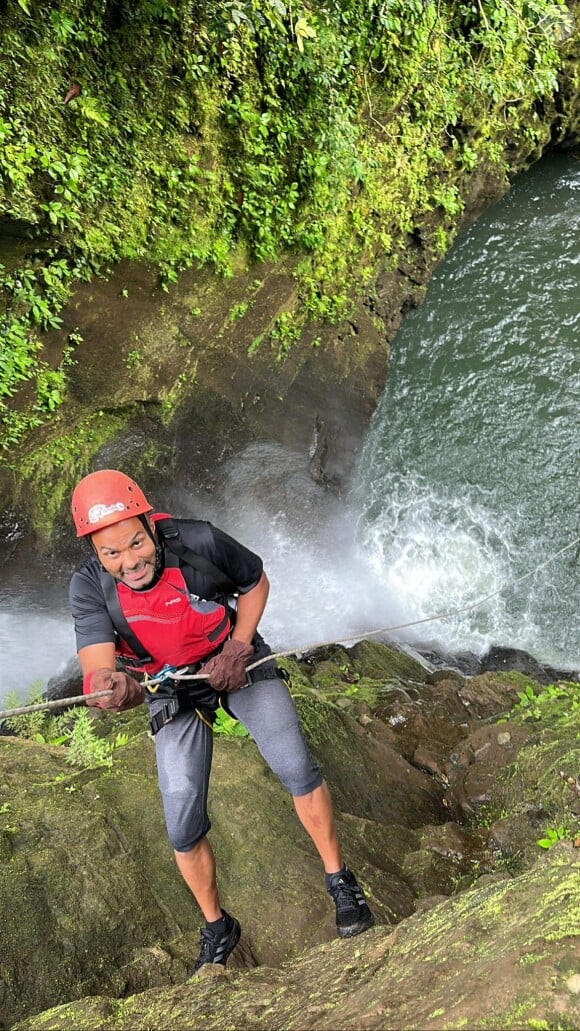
469 477
467 482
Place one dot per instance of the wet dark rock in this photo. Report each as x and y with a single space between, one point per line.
473 770
423 759
14 528
66 684
511 834
445 862
449 839
442 676
506 659
490 694
464 664
429 902
318 458
496 659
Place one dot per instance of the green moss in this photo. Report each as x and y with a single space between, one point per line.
300 682
519 680
214 136
380 662
314 717
67 456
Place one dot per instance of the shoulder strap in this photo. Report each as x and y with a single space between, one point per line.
169 533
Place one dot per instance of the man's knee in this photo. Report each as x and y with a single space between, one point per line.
192 850
185 836
302 780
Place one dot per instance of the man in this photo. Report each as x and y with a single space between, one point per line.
157 595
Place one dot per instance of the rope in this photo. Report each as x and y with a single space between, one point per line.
178 675
58 703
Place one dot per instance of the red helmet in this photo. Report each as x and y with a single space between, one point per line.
104 498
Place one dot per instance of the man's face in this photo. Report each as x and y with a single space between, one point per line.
127 552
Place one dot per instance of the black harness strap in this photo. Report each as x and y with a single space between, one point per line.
169 533
184 701
173 706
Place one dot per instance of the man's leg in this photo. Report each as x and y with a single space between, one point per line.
184 752
197 867
267 710
316 816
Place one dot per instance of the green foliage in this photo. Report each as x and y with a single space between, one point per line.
134 358
31 724
334 131
238 311
555 702
350 675
286 331
85 749
555 708
74 729
227 726
551 836
255 344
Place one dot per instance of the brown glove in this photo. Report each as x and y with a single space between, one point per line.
127 692
227 670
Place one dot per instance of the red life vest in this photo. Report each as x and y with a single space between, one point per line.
174 627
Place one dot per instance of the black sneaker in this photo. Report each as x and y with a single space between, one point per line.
215 948
352 913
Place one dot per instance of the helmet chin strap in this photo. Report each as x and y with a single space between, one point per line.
159 556
93 548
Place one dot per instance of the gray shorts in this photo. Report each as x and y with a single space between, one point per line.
184 753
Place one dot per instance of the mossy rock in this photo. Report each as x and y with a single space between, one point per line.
362 673
527 766
383 662
504 955
90 897
393 792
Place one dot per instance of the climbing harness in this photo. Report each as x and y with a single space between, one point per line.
184 699
179 676
171 707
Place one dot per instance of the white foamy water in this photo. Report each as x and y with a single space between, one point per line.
447 556
323 585
337 574
35 645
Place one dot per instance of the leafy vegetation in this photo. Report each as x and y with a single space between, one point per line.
227 726
554 703
556 710
73 729
552 836
186 132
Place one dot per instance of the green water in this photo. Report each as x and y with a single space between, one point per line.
469 477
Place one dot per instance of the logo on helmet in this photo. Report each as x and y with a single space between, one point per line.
99 512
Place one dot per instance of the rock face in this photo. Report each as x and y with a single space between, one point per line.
431 796
503 956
